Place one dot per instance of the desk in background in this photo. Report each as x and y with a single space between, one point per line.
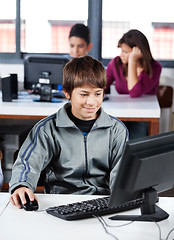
19 224
145 108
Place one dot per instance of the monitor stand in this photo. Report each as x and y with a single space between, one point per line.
150 212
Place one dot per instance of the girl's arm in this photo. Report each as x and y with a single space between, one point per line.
132 67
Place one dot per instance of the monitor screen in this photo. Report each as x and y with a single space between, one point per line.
43 70
146 168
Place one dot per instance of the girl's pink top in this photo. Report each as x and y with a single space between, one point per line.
145 85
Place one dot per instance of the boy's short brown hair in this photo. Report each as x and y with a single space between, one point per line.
83 71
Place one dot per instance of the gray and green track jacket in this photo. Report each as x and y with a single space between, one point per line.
75 163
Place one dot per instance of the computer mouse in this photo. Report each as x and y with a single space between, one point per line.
30 205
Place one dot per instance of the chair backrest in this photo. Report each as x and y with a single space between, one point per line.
165 99
165 96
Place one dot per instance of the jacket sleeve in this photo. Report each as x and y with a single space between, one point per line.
119 141
34 155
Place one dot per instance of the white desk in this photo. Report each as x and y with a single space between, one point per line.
19 224
145 108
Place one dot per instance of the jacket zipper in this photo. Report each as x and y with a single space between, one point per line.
86 159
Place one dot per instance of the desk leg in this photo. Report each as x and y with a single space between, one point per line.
153 127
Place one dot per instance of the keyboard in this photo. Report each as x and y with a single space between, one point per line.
90 208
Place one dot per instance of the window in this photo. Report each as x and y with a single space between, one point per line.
47 24
7 26
155 20
43 26
111 33
163 40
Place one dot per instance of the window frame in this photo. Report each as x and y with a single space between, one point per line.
95 25
16 56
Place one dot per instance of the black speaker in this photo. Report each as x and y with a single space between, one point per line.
9 87
14 85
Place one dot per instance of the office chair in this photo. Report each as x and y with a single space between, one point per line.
165 99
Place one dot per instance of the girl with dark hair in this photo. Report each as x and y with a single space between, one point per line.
135 71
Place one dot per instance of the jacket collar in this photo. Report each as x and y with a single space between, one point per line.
62 119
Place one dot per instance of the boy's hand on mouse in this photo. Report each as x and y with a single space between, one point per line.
19 195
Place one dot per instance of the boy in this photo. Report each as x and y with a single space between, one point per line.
79 146
79 40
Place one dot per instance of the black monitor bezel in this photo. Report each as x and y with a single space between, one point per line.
156 149
136 147
43 60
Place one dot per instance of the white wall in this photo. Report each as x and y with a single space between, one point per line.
13 68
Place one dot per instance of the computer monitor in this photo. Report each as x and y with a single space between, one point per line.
44 73
146 168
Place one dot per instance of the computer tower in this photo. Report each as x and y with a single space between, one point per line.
14 85
6 89
9 87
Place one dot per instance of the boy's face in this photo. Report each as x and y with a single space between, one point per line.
78 47
85 102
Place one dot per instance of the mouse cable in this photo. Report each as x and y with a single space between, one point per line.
100 219
169 234
105 225
159 228
122 225
4 208
41 210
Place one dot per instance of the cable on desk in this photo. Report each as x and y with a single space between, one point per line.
105 225
4 208
41 210
169 234
100 219
160 238
160 235
122 225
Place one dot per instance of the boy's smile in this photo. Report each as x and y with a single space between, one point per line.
86 101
